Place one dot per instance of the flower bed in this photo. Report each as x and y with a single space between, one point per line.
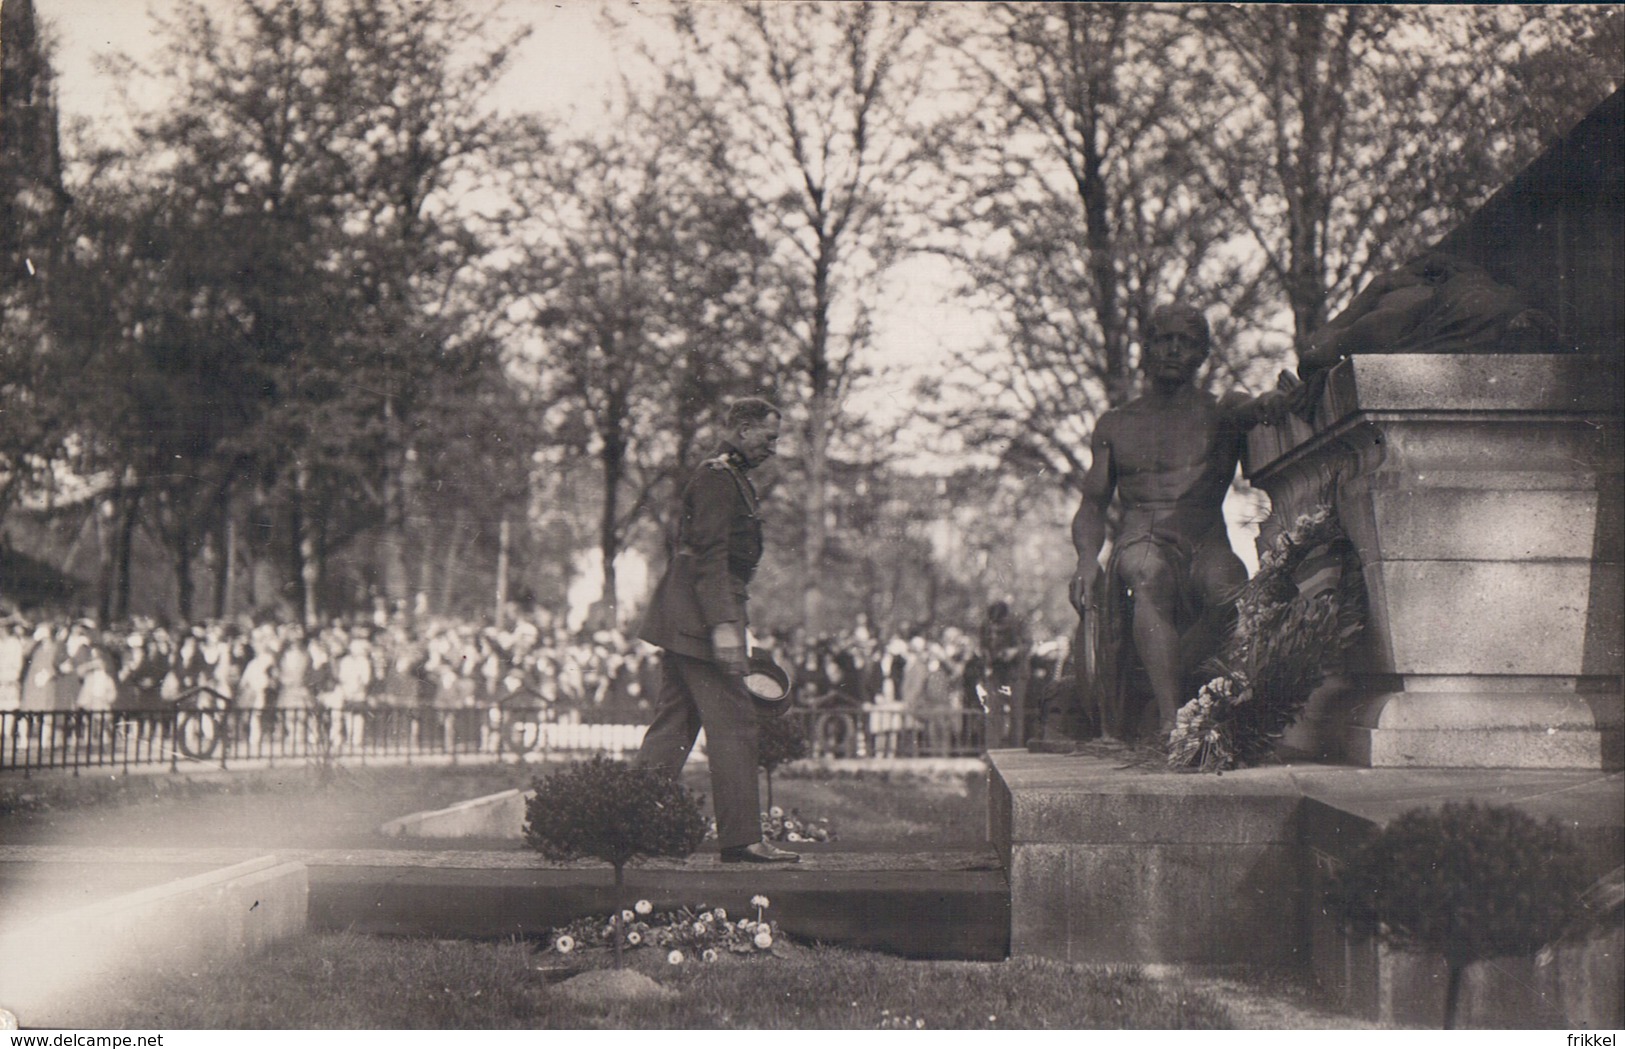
792 826
689 933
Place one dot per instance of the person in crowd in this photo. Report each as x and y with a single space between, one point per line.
293 695
254 687
98 692
888 723
1006 652
39 679
698 617
13 660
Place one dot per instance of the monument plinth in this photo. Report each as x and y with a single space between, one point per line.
1483 494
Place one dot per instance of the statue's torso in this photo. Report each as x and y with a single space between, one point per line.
1173 459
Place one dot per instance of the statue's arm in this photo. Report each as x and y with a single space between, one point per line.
1244 411
1089 523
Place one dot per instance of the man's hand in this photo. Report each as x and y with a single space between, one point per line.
1081 591
728 648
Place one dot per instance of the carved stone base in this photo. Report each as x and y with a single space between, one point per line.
1483 495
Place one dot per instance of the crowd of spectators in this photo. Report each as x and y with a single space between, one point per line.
906 691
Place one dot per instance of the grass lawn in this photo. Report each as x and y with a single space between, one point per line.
356 982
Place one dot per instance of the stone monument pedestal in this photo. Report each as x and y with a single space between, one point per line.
1483 494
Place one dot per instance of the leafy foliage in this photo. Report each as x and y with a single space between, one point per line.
612 811
1466 881
778 741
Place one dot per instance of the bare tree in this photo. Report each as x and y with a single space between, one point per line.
819 102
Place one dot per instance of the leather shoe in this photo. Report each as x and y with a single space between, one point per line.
760 852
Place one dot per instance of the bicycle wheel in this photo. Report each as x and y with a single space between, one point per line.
199 733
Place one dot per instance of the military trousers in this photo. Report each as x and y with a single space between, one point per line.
696 693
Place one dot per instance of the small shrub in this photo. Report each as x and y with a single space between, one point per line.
612 811
1467 882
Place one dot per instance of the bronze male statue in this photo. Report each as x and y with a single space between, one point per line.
1168 456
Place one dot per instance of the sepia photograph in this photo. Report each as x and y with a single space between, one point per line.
809 515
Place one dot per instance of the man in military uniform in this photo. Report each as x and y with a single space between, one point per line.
1169 456
697 615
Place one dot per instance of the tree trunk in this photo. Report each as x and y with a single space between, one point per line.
130 505
105 568
1452 992
454 554
226 557
309 574
392 547
183 578
1097 228
812 608
613 461
504 537
425 573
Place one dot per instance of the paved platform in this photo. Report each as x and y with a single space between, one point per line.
949 903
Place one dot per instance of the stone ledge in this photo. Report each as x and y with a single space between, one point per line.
500 815
204 919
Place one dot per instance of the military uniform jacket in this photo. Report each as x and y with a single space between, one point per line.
714 555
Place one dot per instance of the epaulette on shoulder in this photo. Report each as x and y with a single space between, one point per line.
717 462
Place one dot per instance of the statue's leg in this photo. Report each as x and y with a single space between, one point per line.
1217 575
1153 584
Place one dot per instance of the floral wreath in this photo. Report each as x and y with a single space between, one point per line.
1300 612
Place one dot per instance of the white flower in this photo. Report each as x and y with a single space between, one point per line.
708 917
764 939
643 906
626 917
634 937
792 836
775 812
699 928
675 958
564 944
758 901
721 914
710 954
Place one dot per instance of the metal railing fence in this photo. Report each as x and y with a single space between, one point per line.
205 730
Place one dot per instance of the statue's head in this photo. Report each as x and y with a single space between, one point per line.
1177 340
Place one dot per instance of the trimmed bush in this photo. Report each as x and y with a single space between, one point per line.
779 741
1467 882
612 811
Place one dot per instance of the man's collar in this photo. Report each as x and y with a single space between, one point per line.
734 456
